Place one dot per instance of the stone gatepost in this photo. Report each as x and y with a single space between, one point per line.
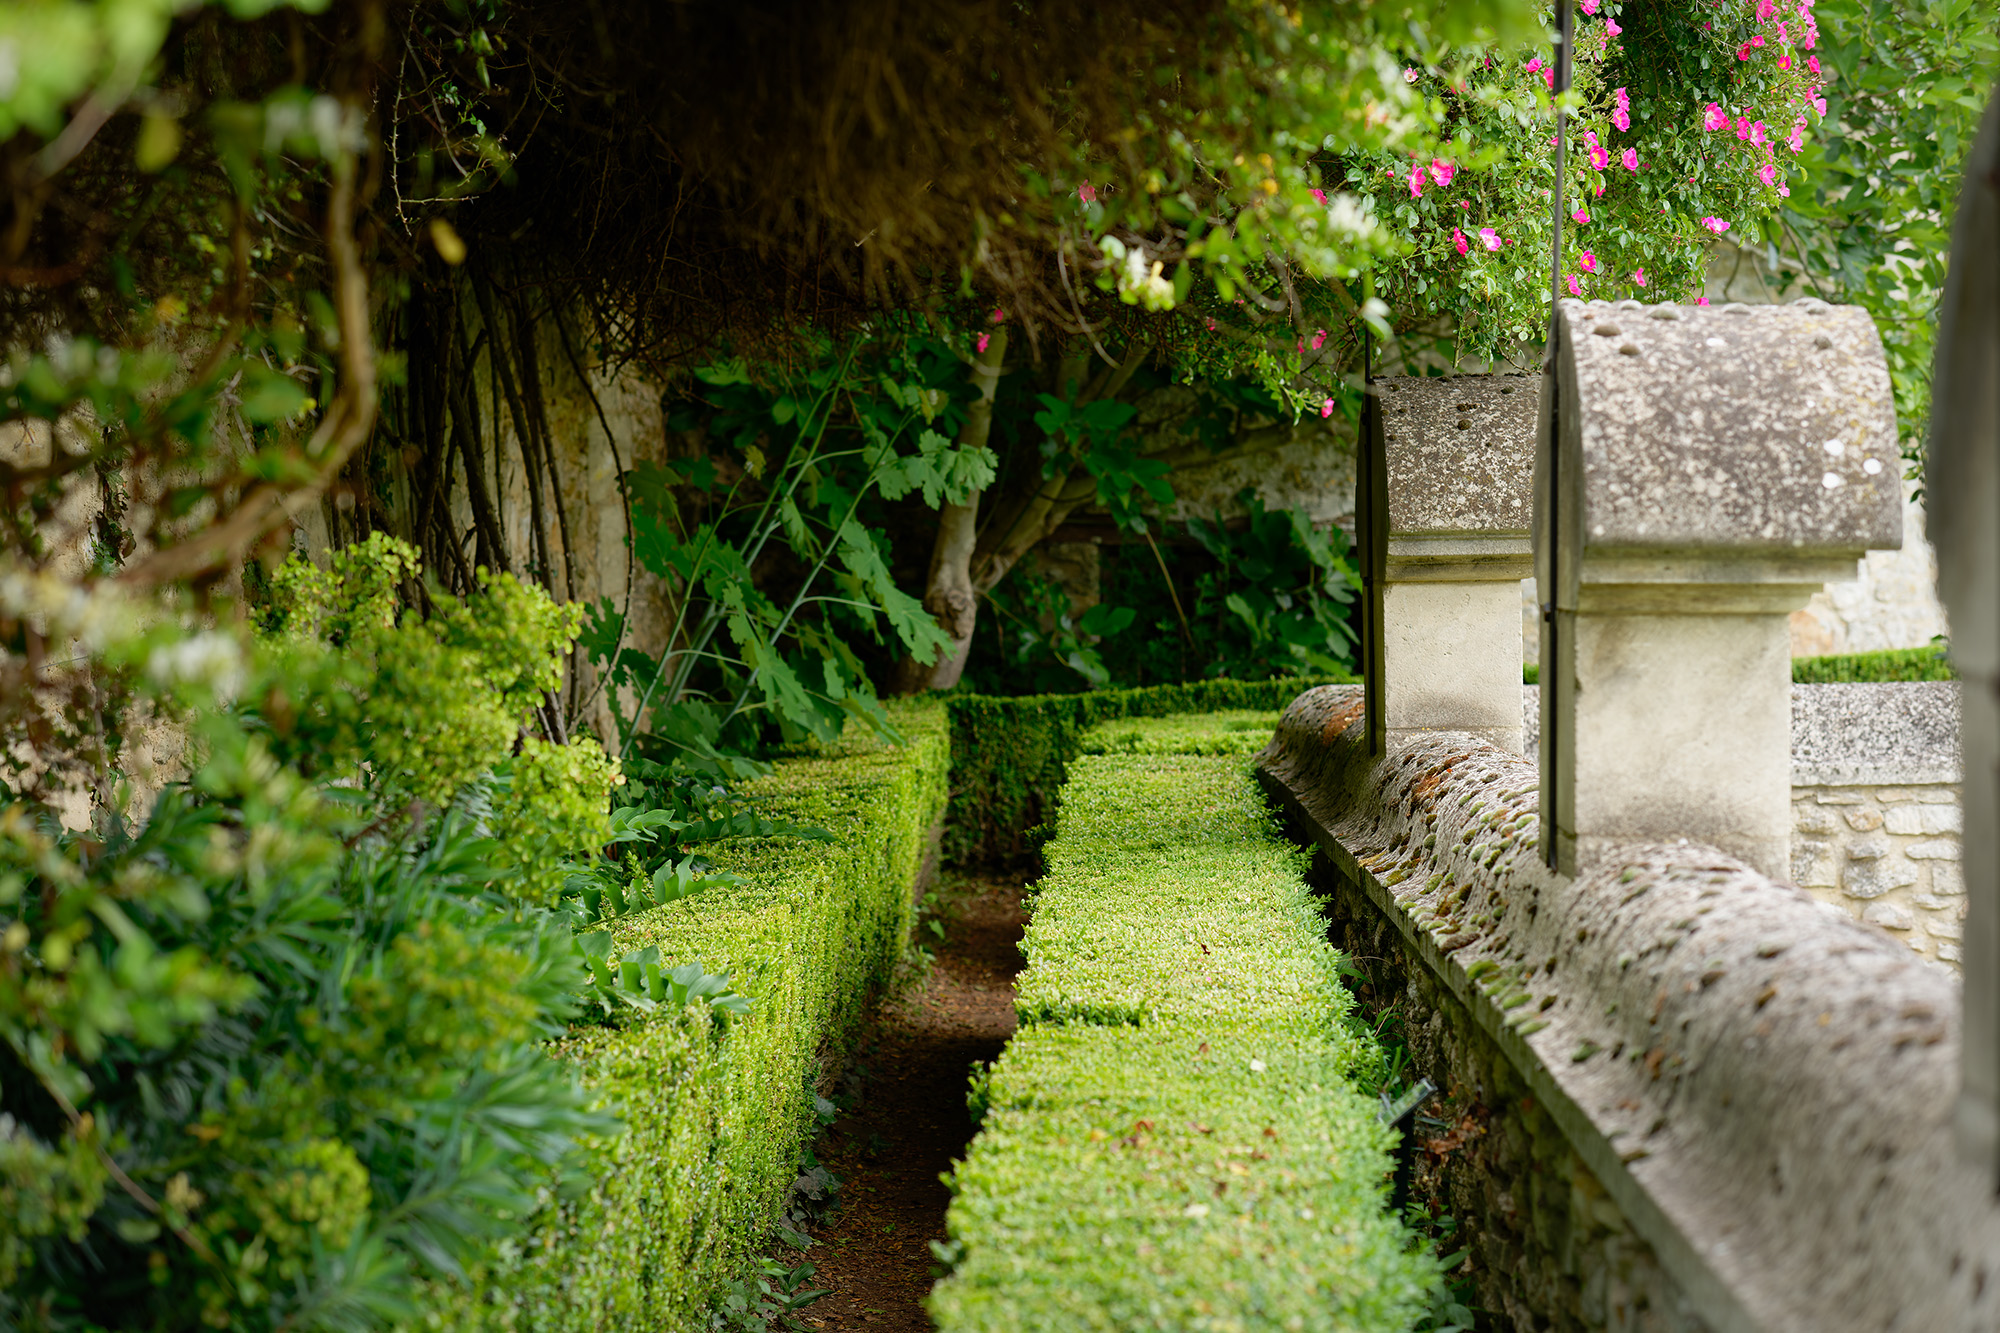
1700 474
1457 458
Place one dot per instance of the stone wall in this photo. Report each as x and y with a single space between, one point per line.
1877 825
1887 855
1547 1247
1876 820
1751 1095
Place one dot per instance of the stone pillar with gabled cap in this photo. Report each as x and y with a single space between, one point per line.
1700 473
1457 460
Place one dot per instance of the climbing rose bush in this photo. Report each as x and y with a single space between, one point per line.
1685 121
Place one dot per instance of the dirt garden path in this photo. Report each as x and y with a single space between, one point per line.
908 1122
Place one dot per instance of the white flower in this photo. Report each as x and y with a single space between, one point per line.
1256 1066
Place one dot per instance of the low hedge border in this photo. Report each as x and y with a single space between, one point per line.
1878 668
1174 1138
716 1115
1008 752
1893 664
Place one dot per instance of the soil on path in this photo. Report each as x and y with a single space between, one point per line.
908 1123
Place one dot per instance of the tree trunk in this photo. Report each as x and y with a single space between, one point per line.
948 592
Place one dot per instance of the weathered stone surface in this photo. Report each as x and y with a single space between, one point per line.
1888 916
1891 602
1923 819
1901 732
1762 1088
1932 849
1755 428
1446 477
1815 864
1872 879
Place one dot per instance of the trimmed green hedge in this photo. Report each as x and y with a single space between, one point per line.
716 1115
1008 753
1892 664
1173 1140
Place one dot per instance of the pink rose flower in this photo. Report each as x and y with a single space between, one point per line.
998 316
1716 225
1581 216
1819 105
1743 127
1812 64
1458 240
1588 6
1622 118
1631 159
1701 300
1600 158
1489 238
1797 140
1768 173
1611 28
1326 409
1319 335
1588 263
1534 64
979 343
1766 11
1409 76
1743 51
1319 197
1442 171
1549 77
1758 135
1575 287
1087 192
1639 277
1416 180
1715 118
1784 62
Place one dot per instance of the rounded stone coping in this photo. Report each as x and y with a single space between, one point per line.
1730 428
1766 1087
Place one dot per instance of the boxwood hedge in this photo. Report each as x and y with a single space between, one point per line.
1009 753
716 1114
1892 664
1174 1138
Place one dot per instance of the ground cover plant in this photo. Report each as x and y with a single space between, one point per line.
1176 1137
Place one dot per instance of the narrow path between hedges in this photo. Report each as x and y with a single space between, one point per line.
906 1120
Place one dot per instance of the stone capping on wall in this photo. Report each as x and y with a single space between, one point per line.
1902 732
1892 733
1765 1089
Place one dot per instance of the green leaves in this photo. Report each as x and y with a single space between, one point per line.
945 473
641 981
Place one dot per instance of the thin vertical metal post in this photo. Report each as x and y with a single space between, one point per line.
1550 462
1371 532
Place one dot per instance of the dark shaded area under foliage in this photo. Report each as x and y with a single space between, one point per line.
1010 756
